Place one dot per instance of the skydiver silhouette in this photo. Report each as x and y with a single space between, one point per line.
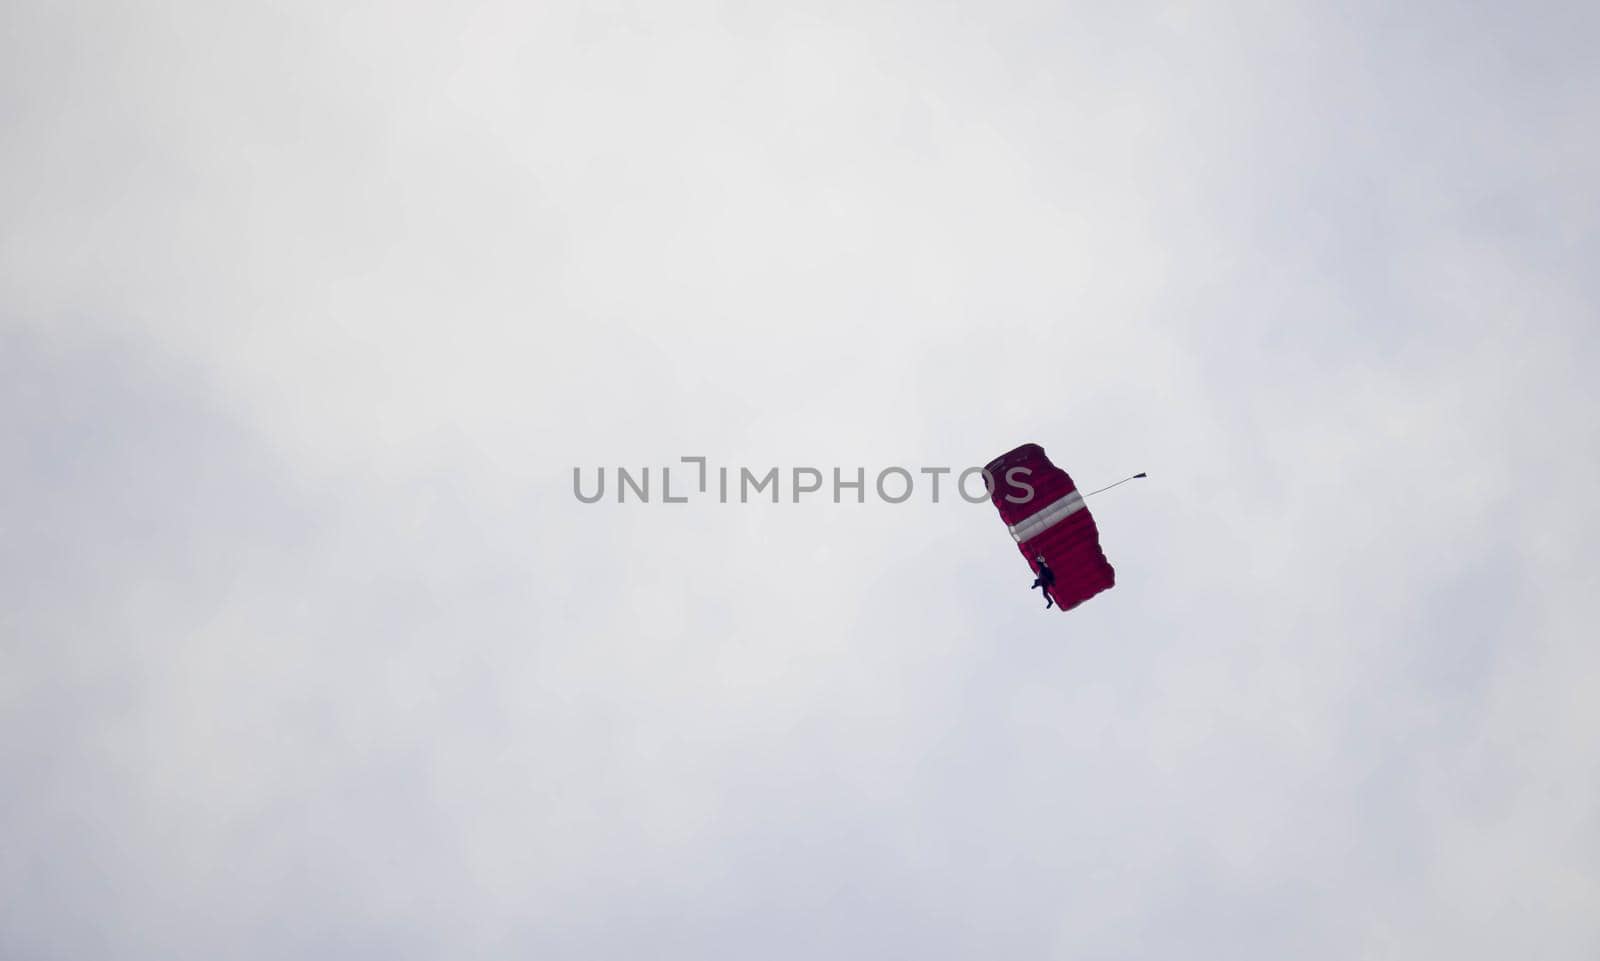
1046 578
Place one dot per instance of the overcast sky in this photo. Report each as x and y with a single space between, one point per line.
307 650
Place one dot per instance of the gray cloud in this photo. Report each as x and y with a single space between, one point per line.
309 313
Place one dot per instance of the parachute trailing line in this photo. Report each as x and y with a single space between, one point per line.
1117 484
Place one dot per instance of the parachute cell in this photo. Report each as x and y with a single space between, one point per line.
1047 517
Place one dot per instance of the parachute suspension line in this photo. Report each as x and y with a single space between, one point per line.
1117 484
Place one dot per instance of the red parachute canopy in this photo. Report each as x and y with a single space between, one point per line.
1047 516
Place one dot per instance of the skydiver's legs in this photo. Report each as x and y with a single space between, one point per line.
1045 590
